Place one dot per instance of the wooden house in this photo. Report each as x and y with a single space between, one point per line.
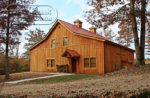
82 50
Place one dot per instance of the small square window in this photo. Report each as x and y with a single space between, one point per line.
65 41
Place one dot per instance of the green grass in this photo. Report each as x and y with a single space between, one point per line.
62 78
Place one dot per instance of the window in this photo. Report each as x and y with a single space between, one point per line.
53 43
50 62
86 62
93 62
90 62
65 41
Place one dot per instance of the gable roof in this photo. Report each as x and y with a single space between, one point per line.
81 31
74 29
78 31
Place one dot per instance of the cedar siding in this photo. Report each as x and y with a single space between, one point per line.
116 54
86 47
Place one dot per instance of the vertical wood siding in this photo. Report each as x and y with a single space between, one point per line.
115 54
107 54
84 46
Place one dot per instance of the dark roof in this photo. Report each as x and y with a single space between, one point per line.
81 31
72 53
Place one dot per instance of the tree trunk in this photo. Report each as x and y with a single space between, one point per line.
135 33
142 37
7 46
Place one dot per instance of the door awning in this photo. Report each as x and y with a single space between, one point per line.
70 54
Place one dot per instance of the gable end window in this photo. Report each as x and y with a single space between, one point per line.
89 62
65 41
50 62
53 43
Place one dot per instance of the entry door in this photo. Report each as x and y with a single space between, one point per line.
73 65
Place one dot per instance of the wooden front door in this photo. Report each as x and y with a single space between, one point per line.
74 65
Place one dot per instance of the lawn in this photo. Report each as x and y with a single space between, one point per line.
62 78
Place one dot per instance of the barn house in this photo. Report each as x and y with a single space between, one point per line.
70 48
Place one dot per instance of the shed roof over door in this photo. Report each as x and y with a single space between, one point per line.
70 54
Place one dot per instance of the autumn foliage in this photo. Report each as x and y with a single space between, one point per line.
16 64
133 18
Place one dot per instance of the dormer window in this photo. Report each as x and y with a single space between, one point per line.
65 41
53 43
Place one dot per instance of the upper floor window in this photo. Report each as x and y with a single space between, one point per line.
53 43
65 41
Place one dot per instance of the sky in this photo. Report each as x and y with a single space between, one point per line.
69 11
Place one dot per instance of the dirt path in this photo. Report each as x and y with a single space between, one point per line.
23 75
42 77
126 80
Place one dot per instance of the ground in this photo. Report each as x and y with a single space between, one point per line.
127 80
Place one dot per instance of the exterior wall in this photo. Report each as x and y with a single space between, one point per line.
84 46
117 55
89 48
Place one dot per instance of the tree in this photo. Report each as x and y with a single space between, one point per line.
125 36
32 38
15 15
109 34
104 13
148 44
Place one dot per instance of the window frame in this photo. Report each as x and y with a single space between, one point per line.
65 42
49 64
89 62
53 63
53 43
85 66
